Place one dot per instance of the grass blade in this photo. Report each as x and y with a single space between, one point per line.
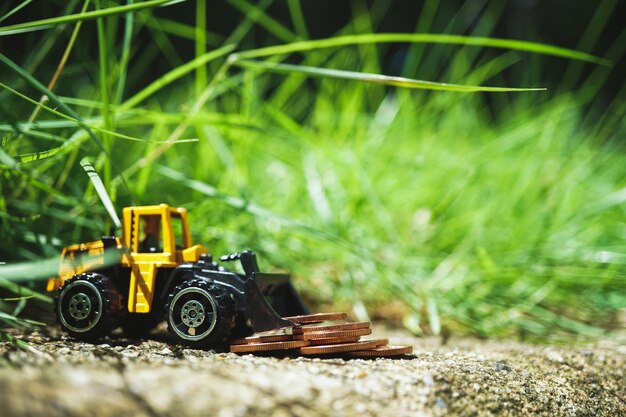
590 37
110 11
200 44
53 97
181 30
510 44
86 126
15 9
174 75
103 70
128 33
245 25
273 26
100 188
246 206
297 18
28 271
61 64
371 78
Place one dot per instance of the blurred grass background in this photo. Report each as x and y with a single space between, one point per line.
493 214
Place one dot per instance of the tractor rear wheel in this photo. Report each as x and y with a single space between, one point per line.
87 306
200 313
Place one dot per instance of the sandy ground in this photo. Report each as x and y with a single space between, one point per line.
156 377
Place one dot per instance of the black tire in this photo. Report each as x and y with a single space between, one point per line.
200 313
87 306
138 325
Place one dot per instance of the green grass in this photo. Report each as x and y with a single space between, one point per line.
418 206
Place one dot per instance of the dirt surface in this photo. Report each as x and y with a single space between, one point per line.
156 377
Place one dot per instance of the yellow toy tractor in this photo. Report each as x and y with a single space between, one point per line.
154 272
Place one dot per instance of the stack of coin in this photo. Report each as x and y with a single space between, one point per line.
312 336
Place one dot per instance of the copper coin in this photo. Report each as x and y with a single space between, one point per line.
266 347
317 318
379 342
332 327
262 339
381 352
274 332
334 340
344 347
332 334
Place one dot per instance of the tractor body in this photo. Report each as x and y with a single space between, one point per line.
153 272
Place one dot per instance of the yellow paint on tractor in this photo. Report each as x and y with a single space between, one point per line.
153 238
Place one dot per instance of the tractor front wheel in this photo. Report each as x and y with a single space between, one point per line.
200 313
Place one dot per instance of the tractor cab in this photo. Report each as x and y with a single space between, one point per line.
159 234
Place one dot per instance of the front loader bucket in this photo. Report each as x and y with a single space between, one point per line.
271 297
281 295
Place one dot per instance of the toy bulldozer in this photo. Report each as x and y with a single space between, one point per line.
154 272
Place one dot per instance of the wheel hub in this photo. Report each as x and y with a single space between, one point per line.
192 313
79 306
